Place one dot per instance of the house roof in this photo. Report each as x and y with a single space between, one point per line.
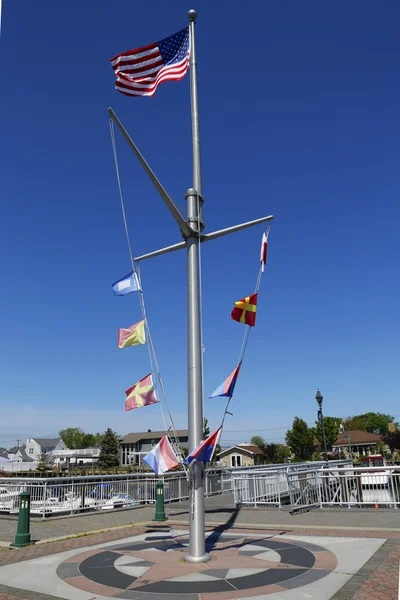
247 449
357 437
3 453
47 442
25 457
132 438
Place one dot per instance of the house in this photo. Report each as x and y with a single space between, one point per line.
242 455
21 456
135 445
360 442
35 447
78 456
4 454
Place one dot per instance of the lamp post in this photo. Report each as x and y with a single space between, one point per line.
319 398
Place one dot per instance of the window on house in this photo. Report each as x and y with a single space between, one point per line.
30 450
235 461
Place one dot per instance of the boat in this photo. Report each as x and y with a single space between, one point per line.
9 498
374 478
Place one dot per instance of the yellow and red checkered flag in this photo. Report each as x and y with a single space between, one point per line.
245 310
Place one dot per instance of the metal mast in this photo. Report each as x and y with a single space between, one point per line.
197 550
191 231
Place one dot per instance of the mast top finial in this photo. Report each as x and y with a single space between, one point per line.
192 14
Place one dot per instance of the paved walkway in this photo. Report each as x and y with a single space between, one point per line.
219 510
376 532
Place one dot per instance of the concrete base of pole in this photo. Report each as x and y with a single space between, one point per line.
197 559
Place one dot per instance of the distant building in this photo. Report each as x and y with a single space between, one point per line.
361 443
35 447
135 445
78 456
4 454
242 455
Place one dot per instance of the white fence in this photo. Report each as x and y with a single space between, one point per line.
13 466
349 487
269 485
71 495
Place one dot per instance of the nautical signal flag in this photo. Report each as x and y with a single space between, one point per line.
226 388
205 450
245 310
162 458
132 336
139 72
263 253
127 284
141 394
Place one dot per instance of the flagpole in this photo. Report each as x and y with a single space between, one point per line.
197 549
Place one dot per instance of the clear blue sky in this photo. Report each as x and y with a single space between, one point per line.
299 111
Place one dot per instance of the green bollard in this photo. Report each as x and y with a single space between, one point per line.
160 510
23 536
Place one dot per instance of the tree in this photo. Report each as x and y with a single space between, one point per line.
257 440
300 438
88 440
269 452
43 464
382 449
75 437
372 422
72 437
332 425
282 452
392 439
109 450
206 429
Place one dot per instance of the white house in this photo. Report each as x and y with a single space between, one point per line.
79 456
35 447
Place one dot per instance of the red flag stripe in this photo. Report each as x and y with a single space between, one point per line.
139 52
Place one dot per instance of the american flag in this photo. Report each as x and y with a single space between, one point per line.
139 72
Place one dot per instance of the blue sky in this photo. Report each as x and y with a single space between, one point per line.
299 112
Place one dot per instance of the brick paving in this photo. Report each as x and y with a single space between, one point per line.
376 580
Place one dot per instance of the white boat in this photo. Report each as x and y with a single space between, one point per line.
9 498
378 478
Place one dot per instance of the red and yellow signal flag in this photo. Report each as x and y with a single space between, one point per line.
141 394
132 336
245 310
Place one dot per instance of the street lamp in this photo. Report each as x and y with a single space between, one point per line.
319 398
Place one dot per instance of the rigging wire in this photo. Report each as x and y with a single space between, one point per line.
152 354
246 334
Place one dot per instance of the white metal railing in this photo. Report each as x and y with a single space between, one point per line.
82 452
305 484
269 484
345 487
70 495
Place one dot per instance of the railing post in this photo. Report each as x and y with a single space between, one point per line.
319 486
392 488
44 488
72 497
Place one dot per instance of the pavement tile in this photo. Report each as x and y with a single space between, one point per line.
92 587
325 560
268 589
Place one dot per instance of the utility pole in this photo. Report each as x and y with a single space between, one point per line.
191 230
